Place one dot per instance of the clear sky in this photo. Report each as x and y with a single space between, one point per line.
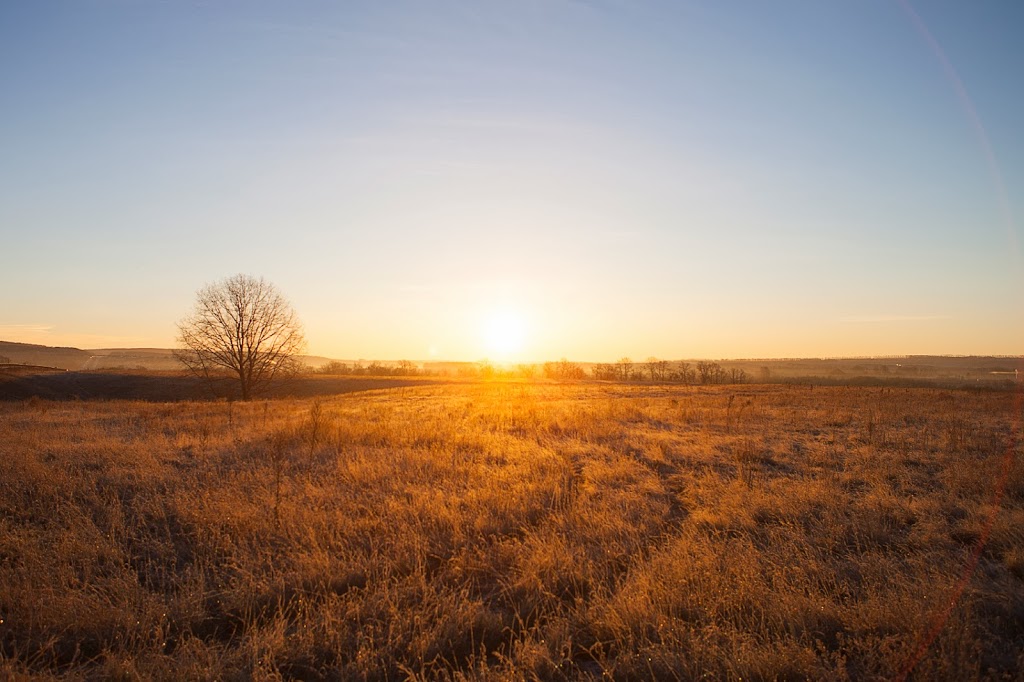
520 180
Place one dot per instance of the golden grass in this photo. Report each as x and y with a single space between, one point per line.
515 531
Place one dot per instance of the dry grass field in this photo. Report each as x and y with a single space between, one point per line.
503 531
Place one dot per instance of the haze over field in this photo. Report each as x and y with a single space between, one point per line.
519 181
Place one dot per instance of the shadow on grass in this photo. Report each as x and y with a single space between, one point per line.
172 387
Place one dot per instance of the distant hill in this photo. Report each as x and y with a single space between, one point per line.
103 358
911 367
32 354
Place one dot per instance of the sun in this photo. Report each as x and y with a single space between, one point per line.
504 333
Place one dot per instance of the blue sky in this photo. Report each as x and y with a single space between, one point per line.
677 179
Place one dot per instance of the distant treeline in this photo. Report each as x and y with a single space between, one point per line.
403 368
703 372
653 369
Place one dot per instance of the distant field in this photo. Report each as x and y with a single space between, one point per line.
501 531
56 384
9 371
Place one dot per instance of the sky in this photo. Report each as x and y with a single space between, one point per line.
520 181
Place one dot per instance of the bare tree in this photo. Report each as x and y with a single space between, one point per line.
607 371
685 373
243 327
658 369
563 369
334 367
526 371
710 372
705 370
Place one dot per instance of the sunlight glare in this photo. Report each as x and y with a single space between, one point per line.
504 333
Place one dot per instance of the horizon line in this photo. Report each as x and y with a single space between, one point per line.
885 356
